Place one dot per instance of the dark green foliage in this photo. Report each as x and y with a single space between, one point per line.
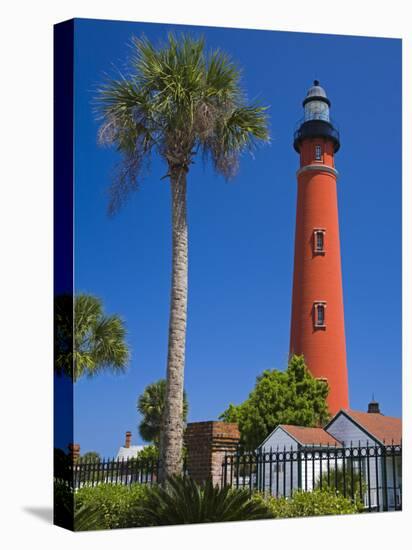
63 494
91 456
110 506
147 460
62 465
342 482
97 342
89 518
304 504
182 500
151 405
63 504
292 396
148 455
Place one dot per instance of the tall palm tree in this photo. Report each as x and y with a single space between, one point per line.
176 101
151 405
86 340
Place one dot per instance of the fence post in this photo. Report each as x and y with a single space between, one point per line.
207 443
384 479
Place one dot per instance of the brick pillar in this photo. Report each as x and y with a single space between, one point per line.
74 451
207 443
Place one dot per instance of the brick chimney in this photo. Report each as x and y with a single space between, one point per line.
128 439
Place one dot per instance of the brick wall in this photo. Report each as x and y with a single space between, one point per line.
207 443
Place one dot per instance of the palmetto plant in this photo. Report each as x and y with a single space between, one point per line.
182 500
86 340
89 518
176 101
151 405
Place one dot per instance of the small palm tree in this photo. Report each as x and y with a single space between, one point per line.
86 340
182 500
151 405
178 102
89 518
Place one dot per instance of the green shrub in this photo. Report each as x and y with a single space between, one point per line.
343 482
109 506
316 503
183 501
148 456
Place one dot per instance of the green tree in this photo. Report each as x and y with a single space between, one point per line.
176 101
292 396
151 405
86 340
91 456
149 454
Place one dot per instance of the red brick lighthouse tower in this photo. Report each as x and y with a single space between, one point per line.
317 325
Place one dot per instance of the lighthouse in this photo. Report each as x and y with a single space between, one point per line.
317 322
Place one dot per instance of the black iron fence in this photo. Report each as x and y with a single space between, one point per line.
92 471
369 474
118 472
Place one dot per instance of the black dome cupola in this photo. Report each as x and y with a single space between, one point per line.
316 121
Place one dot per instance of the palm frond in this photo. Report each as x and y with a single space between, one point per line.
236 133
176 99
183 501
223 79
127 123
109 348
89 518
151 406
86 340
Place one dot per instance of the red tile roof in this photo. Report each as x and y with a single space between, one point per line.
384 428
310 436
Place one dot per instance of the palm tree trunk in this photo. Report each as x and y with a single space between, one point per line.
171 442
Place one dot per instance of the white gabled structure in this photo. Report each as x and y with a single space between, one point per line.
298 455
288 442
373 429
128 450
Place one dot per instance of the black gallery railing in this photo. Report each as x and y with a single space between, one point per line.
369 474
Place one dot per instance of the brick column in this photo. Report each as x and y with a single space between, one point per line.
207 443
74 451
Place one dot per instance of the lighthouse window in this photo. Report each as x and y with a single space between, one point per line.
318 152
321 315
319 241
319 311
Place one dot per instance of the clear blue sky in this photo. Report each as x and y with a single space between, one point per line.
241 234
